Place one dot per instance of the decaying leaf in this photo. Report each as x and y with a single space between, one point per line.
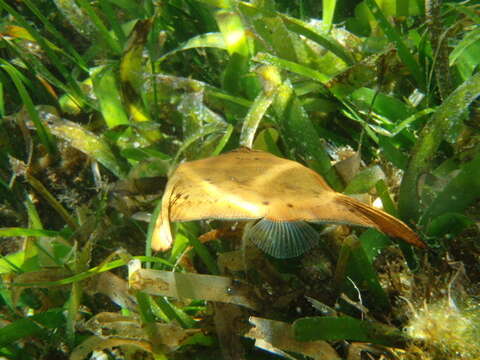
85 141
228 325
231 260
35 279
281 195
349 164
355 351
191 286
113 329
115 288
273 335
109 324
98 343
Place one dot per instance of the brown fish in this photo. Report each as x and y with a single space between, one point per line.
281 195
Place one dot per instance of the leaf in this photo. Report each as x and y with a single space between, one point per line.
19 32
149 169
13 263
86 142
172 312
327 42
115 287
73 306
71 52
254 116
222 4
106 266
147 319
162 85
382 191
388 106
300 134
113 329
468 61
345 328
52 56
93 343
410 120
233 32
460 192
201 250
47 195
446 116
270 28
272 335
105 35
223 140
327 13
211 134
106 90
470 38
31 326
355 265
365 180
392 153
373 242
394 37
213 40
43 133
190 286
15 231
449 225
130 71
266 140
269 59
37 279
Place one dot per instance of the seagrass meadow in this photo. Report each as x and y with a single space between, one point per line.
224 179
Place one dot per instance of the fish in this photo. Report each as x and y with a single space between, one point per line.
280 198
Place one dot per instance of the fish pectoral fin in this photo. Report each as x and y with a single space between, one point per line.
283 239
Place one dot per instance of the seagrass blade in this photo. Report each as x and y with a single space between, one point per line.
246 185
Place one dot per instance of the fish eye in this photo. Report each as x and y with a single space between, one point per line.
232 289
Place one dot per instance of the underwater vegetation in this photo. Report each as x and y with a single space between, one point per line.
281 158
